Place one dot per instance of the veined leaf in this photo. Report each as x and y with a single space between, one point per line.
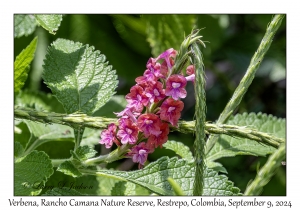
49 22
31 173
230 146
129 189
166 31
80 77
69 169
22 64
106 184
154 177
18 149
84 152
24 25
180 149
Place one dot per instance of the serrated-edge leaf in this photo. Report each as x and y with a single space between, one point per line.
154 177
24 25
216 166
78 76
64 191
231 146
68 168
30 172
22 64
180 149
85 152
49 22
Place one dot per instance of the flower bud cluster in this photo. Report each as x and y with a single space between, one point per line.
153 105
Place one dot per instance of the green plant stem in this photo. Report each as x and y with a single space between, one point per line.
82 120
248 77
200 113
266 172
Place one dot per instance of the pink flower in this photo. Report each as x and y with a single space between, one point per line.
128 112
128 132
170 111
155 92
190 70
166 56
175 86
149 124
139 153
158 140
108 136
136 98
164 67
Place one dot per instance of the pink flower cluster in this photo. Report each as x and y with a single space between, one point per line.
153 104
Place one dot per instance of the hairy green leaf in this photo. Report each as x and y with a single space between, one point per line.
68 168
128 189
84 152
49 22
228 146
154 177
24 25
180 149
216 166
80 77
105 185
22 64
31 173
166 31
64 191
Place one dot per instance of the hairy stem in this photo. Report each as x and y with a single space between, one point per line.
200 113
82 120
248 77
266 172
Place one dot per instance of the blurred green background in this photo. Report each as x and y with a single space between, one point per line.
231 40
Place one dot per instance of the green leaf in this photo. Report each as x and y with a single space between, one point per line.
154 177
68 168
39 101
31 173
18 149
128 189
216 185
22 64
24 25
41 133
64 191
167 31
216 166
49 22
90 137
78 76
84 152
105 185
228 146
180 149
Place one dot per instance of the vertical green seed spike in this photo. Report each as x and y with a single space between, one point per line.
200 113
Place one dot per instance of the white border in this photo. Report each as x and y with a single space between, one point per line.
8 8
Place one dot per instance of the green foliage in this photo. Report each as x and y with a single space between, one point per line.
154 177
78 76
82 81
228 146
180 149
24 25
64 191
49 22
167 31
68 168
21 65
31 173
